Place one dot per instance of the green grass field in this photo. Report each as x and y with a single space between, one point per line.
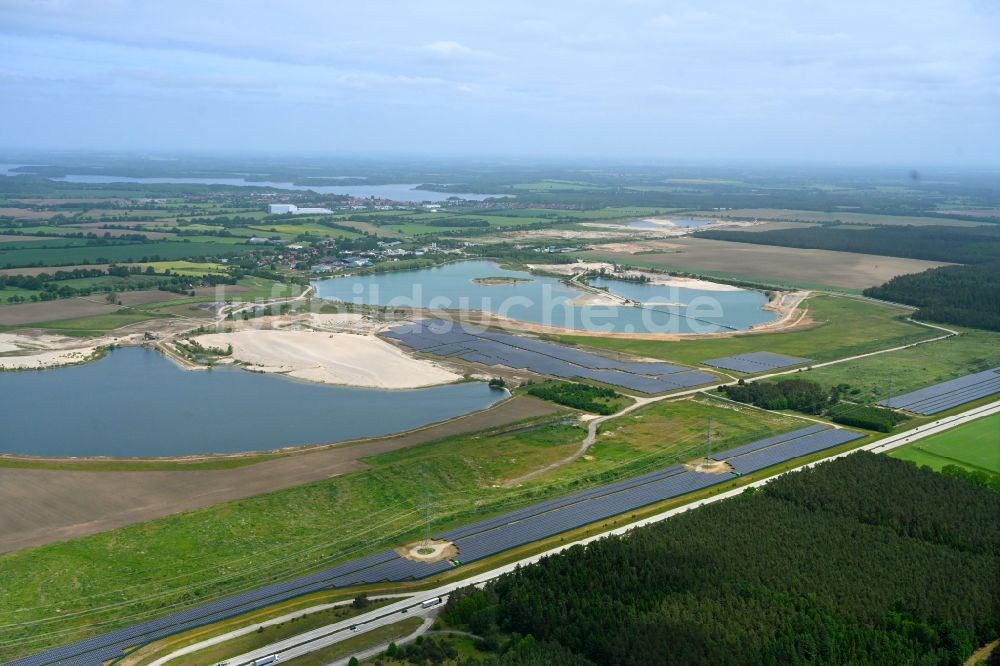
193 268
295 230
231 546
909 369
842 327
974 446
10 292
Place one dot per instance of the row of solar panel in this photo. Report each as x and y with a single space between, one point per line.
557 521
767 441
956 401
432 335
787 450
945 395
967 394
566 500
752 362
544 358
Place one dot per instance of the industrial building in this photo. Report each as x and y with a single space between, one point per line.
292 209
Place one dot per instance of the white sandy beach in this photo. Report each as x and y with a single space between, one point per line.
330 358
23 352
655 278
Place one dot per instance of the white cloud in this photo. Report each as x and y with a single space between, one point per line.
454 51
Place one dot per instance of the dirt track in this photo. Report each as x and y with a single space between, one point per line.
41 506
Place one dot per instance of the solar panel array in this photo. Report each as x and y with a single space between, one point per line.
767 441
476 541
515 352
792 448
773 450
939 397
752 362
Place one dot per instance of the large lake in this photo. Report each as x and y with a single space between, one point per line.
547 300
137 403
395 192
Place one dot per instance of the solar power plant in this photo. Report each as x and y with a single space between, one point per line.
479 540
493 537
490 348
752 362
939 397
768 441
767 456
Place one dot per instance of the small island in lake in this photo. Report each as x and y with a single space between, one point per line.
500 280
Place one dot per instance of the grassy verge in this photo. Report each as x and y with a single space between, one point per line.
841 327
909 369
355 644
265 636
974 446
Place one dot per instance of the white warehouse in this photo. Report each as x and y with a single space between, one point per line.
292 209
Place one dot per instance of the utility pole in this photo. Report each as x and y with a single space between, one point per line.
708 434
427 517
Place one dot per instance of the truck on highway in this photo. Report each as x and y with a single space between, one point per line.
431 602
264 661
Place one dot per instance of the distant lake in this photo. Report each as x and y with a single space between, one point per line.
137 403
395 192
547 300
687 224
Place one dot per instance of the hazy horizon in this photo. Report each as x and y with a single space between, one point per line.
914 83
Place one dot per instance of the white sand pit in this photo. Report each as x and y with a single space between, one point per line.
428 551
707 466
330 358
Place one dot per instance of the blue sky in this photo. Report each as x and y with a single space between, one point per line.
915 81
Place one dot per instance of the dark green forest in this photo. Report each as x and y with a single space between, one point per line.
579 396
801 394
865 559
963 295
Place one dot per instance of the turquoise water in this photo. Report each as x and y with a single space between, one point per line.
136 403
546 300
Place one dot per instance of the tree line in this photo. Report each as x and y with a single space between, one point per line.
864 559
963 295
578 396
964 245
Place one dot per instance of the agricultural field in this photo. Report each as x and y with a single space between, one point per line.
841 326
837 216
974 446
50 311
99 323
80 253
766 264
192 268
306 229
210 551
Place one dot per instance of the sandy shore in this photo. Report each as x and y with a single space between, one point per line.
654 278
330 358
24 352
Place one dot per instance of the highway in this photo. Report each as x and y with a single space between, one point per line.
395 612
